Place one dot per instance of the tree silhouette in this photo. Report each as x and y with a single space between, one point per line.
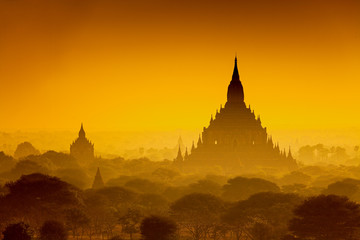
199 213
145 186
53 230
6 162
347 187
25 149
116 238
35 198
76 219
326 217
261 231
153 203
17 231
103 207
205 186
130 221
260 213
157 228
241 188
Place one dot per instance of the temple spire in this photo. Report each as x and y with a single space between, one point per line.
235 76
235 92
192 147
186 156
289 154
98 181
81 132
179 157
199 141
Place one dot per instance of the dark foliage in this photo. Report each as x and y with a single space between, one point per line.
145 186
157 228
116 238
326 217
198 206
6 162
38 197
25 149
262 214
53 230
17 231
241 188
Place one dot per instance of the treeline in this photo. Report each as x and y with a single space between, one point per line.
321 154
44 207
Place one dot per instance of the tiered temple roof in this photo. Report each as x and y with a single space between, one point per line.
235 138
82 148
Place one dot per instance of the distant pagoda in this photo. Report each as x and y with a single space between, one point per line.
179 158
98 181
235 138
82 149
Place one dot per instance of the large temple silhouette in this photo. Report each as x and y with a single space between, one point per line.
236 140
82 149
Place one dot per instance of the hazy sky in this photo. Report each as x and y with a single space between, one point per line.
165 65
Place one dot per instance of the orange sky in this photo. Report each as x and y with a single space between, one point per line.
165 65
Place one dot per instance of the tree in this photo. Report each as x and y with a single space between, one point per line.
296 177
130 221
356 150
205 186
74 176
199 213
6 162
306 153
165 174
260 213
36 197
76 219
241 188
145 186
326 217
17 231
338 154
157 228
153 203
117 237
26 167
53 230
347 187
103 207
261 231
117 197
25 149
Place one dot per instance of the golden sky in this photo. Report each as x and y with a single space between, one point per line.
165 65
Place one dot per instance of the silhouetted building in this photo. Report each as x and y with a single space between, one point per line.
98 181
82 149
179 158
180 144
235 138
186 155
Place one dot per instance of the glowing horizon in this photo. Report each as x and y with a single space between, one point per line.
99 64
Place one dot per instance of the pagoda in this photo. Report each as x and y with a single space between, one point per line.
235 138
98 181
82 149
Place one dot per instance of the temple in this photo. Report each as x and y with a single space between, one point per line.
82 149
179 158
98 181
235 138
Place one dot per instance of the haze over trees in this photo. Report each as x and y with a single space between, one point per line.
142 75
326 217
25 149
51 193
